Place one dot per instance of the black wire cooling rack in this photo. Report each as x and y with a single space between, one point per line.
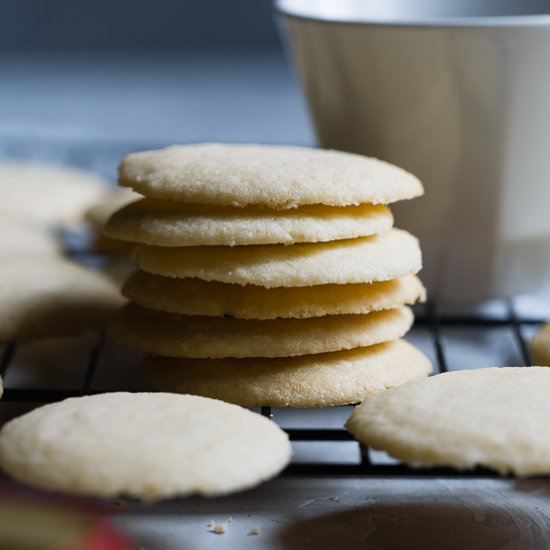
103 159
428 319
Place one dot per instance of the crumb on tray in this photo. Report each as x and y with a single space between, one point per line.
219 527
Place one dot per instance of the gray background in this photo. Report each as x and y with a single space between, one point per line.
144 73
59 25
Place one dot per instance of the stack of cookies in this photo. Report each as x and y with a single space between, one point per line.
269 275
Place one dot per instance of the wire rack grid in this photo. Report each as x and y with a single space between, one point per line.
103 158
429 319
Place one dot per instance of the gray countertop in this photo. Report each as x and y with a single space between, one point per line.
300 514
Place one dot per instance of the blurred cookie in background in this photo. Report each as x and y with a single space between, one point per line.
48 194
19 235
98 215
42 296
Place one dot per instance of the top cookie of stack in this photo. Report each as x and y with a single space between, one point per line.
275 268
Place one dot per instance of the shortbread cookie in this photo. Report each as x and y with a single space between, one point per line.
166 334
21 236
145 445
364 260
197 297
48 296
321 380
488 417
48 194
110 202
167 223
276 176
99 214
540 346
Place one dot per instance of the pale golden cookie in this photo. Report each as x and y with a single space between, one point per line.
166 334
276 176
320 380
49 194
540 345
197 297
489 417
99 214
110 202
364 260
145 445
44 296
166 223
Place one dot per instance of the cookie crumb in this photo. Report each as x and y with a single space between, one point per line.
219 528
254 532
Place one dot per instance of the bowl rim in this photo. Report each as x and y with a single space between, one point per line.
312 13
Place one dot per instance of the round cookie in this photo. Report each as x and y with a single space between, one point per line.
276 176
48 296
169 335
540 345
197 297
494 417
167 223
145 445
363 260
98 215
21 236
320 380
46 193
110 202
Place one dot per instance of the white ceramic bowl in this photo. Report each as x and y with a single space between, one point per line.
457 92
